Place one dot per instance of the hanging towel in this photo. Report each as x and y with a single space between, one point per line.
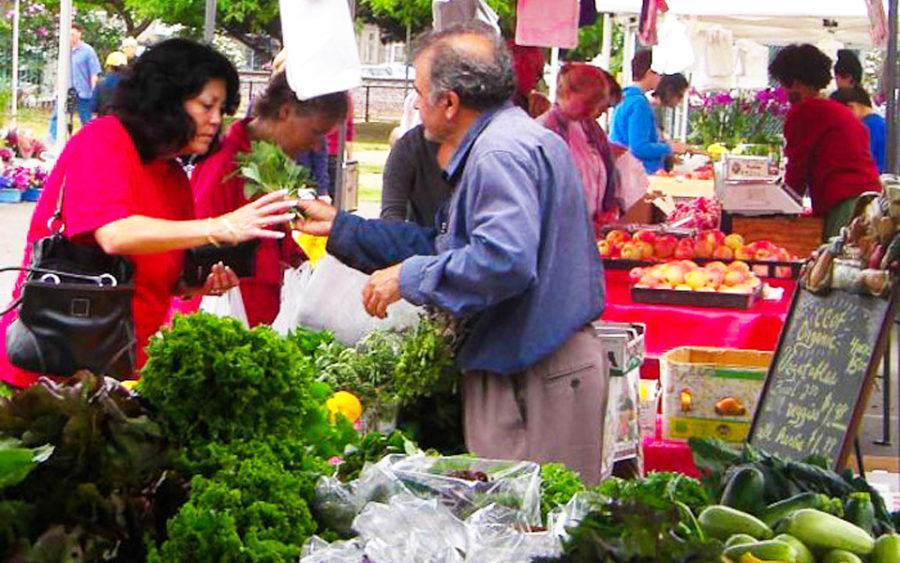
650 10
322 56
547 23
878 28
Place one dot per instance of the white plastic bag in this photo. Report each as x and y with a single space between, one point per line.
322 56
635 182
229 304
293 286
332 300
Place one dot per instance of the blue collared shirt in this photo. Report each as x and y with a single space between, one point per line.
513 250
634 126
85 64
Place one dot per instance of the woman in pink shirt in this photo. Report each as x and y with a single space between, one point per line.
582 96
125 191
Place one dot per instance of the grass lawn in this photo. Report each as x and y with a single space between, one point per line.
370 148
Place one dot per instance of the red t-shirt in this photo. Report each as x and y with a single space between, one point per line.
105 181
218 191
828 152
332 138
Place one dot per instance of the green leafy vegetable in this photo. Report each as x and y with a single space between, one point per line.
660 490
17 462
372 447
267 169
105 479
558 485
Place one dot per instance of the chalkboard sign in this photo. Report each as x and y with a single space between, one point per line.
821 375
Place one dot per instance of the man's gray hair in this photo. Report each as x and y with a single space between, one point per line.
482 81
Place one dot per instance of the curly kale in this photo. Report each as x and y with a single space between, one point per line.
211 379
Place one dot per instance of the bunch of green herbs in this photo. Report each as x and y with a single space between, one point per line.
267 169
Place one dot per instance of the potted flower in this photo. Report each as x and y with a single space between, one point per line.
34 185
9 192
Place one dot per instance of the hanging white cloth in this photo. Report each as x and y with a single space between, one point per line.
752 64
674 52
322 56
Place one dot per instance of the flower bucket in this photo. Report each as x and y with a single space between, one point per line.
32 194
9 195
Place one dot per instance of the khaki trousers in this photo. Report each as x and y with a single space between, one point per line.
553 411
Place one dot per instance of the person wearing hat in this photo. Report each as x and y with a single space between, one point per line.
103 91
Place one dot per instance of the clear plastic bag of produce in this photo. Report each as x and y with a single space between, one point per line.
337 504
317 550
465 484
563 518
411 529
498 534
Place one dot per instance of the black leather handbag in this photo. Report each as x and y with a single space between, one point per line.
75 309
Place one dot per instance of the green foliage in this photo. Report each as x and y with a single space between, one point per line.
17 462
558 485
659 490
106 482
253 510
590 43
633 532
426 363
213 380
267 169
372 447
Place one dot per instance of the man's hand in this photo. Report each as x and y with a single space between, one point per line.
678 147
382 289
319 217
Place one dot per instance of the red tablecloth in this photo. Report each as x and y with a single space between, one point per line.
671 326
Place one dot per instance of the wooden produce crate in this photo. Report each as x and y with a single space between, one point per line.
800 235
711 392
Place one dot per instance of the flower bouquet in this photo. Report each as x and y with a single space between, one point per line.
740 121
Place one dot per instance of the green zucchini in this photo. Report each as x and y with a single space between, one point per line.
841 556
738 539
722 522
821 531
782 509
804 555
860 511
887 549
769 550
745 491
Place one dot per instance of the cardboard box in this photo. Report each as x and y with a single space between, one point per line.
711 392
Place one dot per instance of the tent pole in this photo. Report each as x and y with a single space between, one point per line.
890 90
628 52
554 72
342 137
209 21
606 45
14 82
63 72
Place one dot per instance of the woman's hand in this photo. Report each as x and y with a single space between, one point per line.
221 278
250 221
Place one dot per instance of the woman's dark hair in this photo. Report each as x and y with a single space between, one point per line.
853 94
641 63
278 93
848 65
670 87
801 63
615 89
149 100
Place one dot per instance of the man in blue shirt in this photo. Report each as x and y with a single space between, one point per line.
634 124
512 255
85 70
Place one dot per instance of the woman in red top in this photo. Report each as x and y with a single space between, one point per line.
125 192
826 146
295 126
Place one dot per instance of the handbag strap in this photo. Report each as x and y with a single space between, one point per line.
101 280
57 217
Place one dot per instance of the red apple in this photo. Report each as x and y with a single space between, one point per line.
635 274
664 246
734 241
684 250
645 236
735 277
617 235
723 253
646 249
630 251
